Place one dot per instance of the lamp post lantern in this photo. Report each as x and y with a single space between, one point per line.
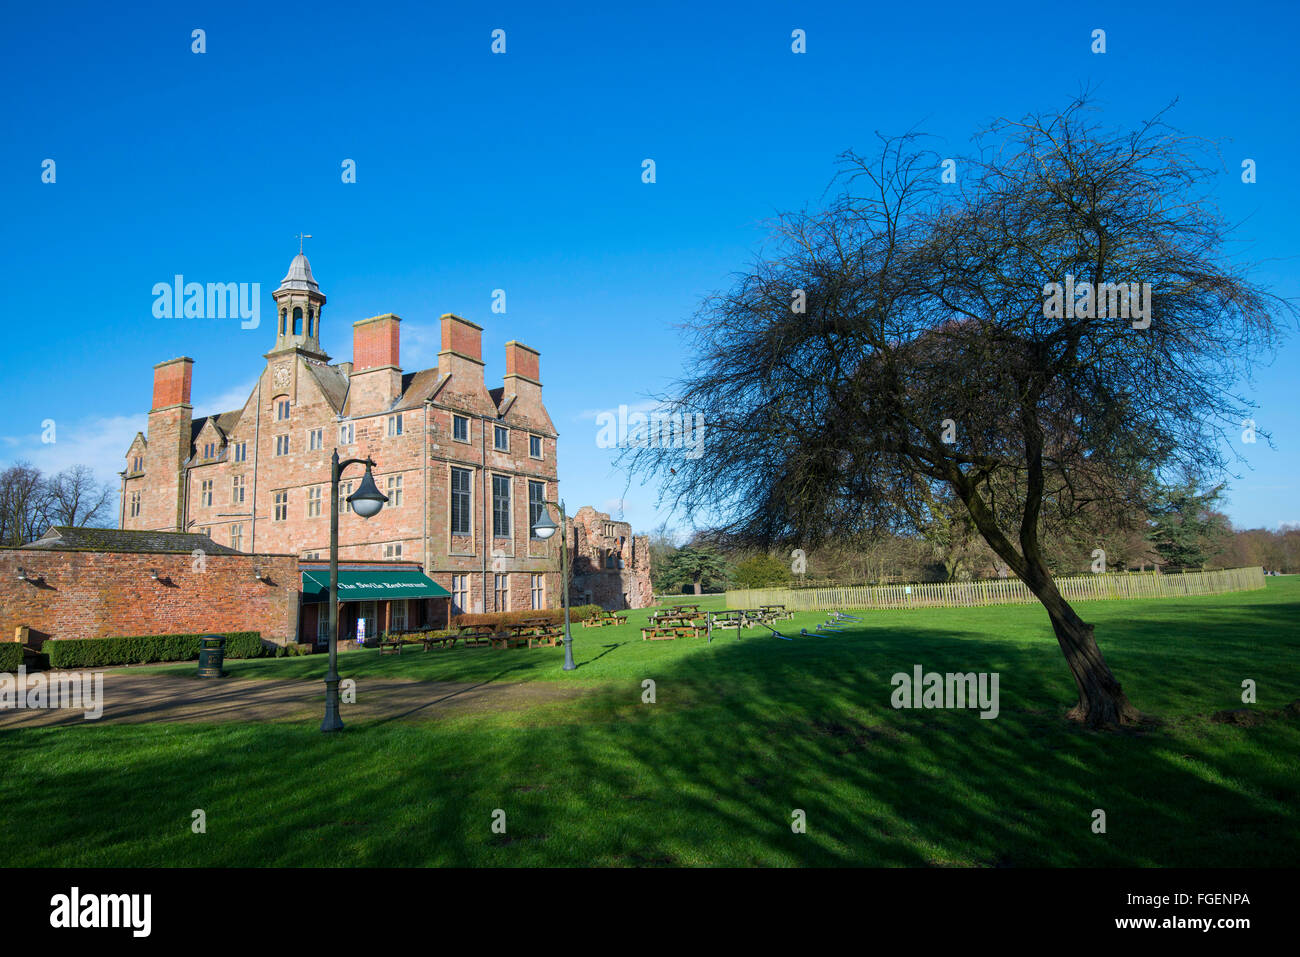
544 528
365 501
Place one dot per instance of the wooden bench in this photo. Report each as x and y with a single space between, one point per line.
391 646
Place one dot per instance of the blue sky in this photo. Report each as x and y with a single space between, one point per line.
522 172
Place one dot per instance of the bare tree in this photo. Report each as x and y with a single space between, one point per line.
30 502
904 343
77 499
24 504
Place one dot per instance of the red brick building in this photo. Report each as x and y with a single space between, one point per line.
465 466
102 583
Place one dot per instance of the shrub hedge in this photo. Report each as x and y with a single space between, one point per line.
143 649
576 613
11 656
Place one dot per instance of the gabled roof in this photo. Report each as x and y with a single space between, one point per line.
416 387
224 423
67 538
514 413
333 383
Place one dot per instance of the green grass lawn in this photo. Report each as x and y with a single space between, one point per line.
742 734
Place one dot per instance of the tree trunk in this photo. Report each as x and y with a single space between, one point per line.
1102 702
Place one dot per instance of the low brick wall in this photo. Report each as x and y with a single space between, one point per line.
106 594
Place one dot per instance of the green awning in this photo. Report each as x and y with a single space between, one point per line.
371 585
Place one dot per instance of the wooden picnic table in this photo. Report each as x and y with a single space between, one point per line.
477 635
671 626
672 621
683 609
428 640
530 632
394 640
737 616
511 634
604 618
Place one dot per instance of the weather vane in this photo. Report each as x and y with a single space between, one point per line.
301 237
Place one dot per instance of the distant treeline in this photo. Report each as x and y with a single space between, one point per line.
1181 529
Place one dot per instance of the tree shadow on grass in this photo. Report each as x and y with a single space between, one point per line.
741 736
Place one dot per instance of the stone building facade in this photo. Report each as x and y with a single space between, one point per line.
611 566
466 467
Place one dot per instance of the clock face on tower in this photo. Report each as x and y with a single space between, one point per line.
281 377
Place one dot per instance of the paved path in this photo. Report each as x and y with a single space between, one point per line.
135 697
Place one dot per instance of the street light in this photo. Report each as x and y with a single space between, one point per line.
365 501
544 528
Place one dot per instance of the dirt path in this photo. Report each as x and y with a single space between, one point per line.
133 697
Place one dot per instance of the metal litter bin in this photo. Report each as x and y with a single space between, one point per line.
212 654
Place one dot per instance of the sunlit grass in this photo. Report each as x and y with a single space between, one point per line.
742 734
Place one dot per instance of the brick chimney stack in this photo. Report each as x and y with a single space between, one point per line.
376 377
523 361
171 382
169 445
462 351
523 379
376 343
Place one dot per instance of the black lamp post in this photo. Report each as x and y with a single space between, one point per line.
544 528
365 501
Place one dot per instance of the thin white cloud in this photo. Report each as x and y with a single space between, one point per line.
99 442
226 401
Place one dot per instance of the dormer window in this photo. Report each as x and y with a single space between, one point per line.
137 464
210 450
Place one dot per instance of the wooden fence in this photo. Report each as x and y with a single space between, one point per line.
1001 591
